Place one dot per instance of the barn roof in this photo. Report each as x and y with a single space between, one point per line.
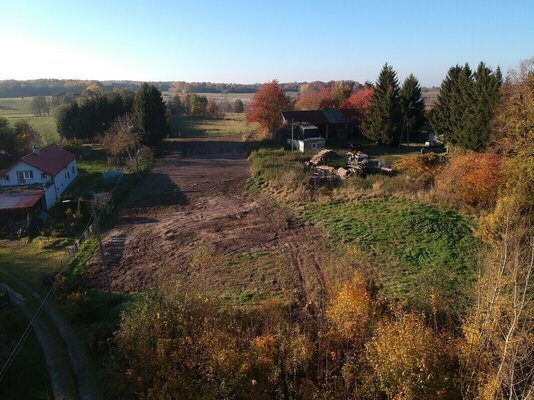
334 116
11 200
50 159
317 117
314 117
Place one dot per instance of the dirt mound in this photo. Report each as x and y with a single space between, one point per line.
196 201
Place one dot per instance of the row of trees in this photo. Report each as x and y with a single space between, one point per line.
465 106
193 105
384 112
94 114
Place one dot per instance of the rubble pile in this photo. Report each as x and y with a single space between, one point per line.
357 163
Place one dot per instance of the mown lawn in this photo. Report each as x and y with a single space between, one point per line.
415 248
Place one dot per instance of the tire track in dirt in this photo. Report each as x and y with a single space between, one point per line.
197 199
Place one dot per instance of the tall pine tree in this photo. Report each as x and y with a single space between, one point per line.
384 118
465 105
412 107
149 114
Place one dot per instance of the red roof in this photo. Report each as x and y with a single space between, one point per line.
16 200
51 159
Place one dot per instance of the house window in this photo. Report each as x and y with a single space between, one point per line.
73 170
43 175
314 145
6 178
27 174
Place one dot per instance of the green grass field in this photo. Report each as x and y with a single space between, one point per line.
233 124
19 109
414 247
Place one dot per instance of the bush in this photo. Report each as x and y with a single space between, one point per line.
410 361
428 165
78 307
470 180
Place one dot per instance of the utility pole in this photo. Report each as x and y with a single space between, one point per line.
292 136
100 246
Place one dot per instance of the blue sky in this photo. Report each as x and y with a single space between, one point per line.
256 41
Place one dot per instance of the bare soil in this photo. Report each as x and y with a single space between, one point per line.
195 203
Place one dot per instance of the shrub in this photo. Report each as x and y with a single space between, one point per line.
78 307
410 361
470 180
427 165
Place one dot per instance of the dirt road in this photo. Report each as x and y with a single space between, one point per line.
196 203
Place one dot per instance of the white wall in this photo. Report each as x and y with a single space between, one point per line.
65 177
22 166
50 197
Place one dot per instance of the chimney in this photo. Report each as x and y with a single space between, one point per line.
36 150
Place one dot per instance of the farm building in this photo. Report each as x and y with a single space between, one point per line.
49 171
329 122
306 138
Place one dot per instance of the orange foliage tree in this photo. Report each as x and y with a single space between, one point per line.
359 103
267 104
470 179
313 99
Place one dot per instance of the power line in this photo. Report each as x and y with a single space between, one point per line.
54 286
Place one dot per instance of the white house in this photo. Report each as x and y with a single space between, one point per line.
51 168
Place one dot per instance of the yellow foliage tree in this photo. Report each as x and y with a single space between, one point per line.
410 361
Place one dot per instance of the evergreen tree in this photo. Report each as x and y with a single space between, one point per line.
238 106
384 122
412 107
149 114
465 105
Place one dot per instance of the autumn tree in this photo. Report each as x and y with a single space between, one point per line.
513 130
470 180
149 114
350 315
384 121
16 140
267 104
412 107
497 353
122 140
341 91
315 98
410 361
359 103
212 110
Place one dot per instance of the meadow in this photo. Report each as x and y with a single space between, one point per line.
233 124
19 109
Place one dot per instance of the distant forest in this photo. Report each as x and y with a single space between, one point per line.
50 87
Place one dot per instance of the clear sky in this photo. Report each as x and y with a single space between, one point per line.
258 40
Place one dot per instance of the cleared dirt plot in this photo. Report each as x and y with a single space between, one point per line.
195 221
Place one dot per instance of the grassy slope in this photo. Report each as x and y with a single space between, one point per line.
16 109
413 247
405 241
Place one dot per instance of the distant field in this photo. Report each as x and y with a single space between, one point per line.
233 124
430 98
17 109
